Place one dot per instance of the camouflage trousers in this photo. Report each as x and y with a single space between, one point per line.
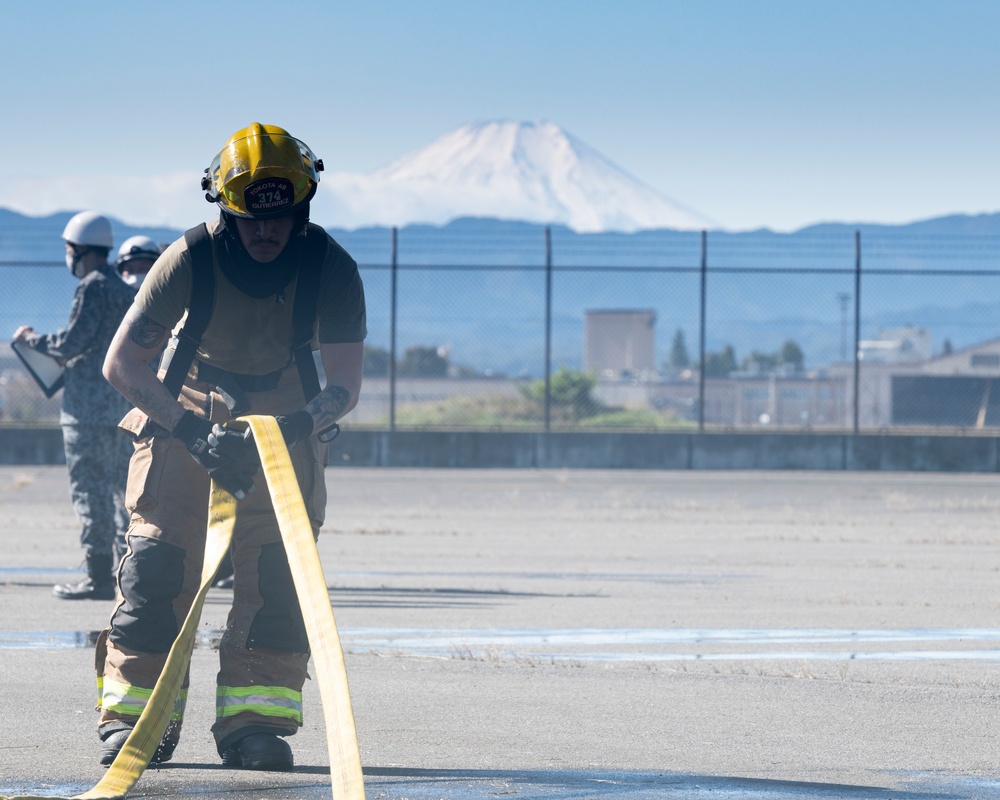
97 458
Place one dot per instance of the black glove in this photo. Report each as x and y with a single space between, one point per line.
241 446
235 445
232 473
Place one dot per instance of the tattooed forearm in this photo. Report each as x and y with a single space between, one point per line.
329 405
145 332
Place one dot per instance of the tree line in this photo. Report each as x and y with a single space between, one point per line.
722 363
423 361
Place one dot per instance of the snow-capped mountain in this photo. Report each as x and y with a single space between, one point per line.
529 171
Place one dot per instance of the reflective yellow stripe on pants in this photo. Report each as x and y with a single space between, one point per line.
131 701
270 701
324 641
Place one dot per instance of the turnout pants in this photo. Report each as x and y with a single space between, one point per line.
264 650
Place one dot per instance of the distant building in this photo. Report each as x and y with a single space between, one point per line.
961 389
620 344
903 345
951 390
981 360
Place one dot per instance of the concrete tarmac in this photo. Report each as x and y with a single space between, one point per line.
603 635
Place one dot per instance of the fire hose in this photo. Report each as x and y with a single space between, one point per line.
346 777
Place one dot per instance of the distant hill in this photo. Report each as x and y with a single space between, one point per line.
30 238
952 225
763 287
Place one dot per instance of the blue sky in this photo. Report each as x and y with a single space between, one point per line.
757 114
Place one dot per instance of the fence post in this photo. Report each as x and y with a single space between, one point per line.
857 329
392 333
548 328
701 333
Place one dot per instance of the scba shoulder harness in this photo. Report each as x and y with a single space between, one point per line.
177 360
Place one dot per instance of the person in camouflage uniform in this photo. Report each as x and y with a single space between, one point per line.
97 453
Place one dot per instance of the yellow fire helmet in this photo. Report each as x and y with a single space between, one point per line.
262 172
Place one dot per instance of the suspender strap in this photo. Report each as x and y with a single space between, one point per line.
177 360
304 309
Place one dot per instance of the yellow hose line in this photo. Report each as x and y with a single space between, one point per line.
331 674
314 598
142 742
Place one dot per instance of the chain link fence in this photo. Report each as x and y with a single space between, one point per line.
517 327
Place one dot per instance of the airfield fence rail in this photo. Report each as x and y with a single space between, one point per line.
543 329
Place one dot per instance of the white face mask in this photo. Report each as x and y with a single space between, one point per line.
135 281
73 263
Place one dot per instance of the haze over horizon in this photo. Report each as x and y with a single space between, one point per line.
775 114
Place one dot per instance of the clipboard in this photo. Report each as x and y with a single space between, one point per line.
46 370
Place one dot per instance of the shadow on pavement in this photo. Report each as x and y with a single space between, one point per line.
529 784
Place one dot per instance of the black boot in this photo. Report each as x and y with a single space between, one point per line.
263 751
113 738
98 585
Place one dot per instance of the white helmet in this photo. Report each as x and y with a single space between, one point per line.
90 229
137 247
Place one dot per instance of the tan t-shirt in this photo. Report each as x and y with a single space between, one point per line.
248 335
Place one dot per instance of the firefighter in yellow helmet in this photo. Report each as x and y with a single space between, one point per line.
248 299
261 173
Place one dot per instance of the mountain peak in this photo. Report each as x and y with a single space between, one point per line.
529 171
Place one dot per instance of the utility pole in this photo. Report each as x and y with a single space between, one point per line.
392 331
844 299
857 331
548 328
701 333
